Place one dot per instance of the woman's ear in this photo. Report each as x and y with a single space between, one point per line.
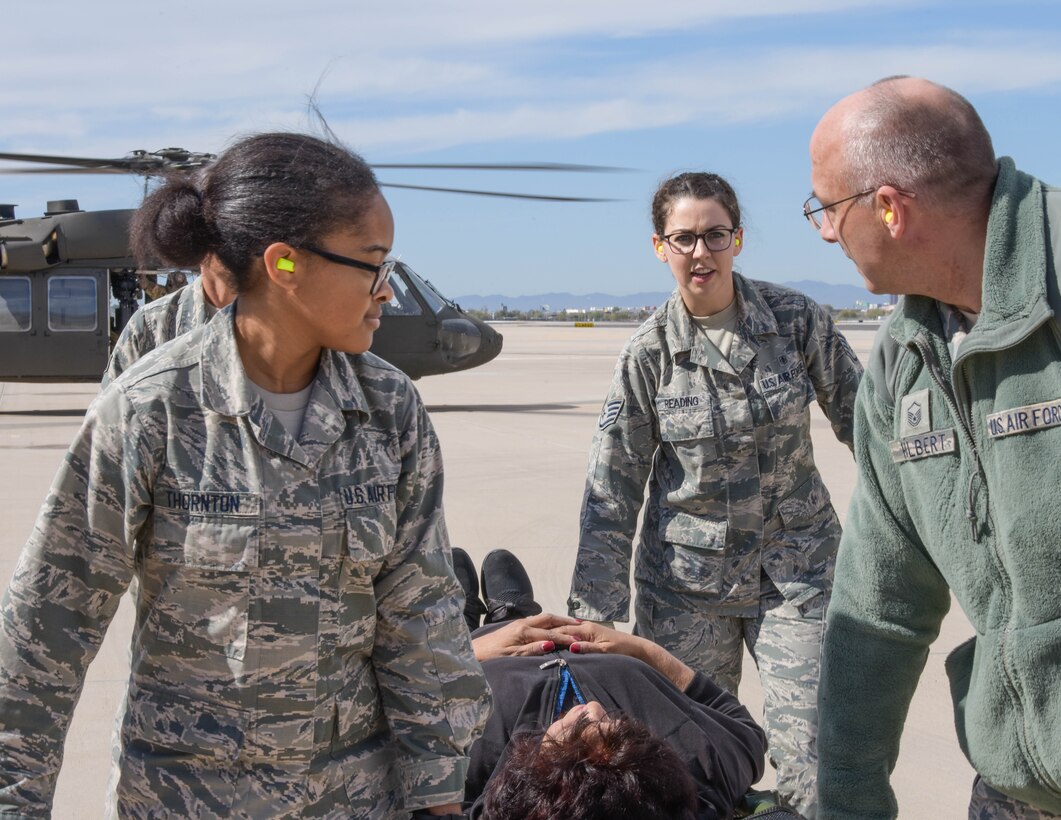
659 247
738 241
281 266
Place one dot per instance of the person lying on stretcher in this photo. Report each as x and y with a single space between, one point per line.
589 722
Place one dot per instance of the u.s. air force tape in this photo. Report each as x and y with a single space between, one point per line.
923 445
1024 419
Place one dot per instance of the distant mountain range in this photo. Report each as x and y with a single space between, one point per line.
839 296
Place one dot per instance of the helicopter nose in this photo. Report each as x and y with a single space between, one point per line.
467 342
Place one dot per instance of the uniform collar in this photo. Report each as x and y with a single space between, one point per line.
754 319
226 390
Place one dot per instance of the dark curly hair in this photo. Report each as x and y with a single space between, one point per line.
693 185
274 187
619 771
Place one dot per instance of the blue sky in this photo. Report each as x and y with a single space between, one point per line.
655 86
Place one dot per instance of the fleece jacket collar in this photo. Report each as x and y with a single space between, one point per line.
1015 300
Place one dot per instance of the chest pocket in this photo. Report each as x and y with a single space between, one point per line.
367 542
787 390
684 418
198 569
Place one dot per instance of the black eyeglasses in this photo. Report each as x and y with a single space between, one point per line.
813 206
716 239
382 272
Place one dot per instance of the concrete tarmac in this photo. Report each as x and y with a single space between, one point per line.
515 435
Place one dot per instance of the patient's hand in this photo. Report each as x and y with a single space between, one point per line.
589 637
536 635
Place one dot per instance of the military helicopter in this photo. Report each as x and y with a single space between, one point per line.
60 271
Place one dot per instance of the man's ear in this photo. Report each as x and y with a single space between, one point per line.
892 209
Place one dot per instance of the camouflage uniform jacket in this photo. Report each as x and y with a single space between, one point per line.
299 648
725 448
157 322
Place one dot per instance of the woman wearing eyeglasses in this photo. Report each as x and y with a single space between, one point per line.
710 406
272 492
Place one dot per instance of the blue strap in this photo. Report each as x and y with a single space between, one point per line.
566 680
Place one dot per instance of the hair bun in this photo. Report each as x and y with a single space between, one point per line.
171 227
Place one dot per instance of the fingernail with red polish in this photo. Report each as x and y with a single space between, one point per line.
548 646
576 648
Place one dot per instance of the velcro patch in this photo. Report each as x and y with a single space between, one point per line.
1024 419
610 413
923 445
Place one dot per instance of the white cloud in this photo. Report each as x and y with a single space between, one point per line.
753 89
410 75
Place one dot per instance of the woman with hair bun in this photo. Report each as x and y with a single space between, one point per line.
710 407
274 491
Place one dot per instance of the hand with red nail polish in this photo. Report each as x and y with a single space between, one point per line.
536 635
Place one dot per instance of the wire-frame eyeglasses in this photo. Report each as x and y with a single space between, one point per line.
813 206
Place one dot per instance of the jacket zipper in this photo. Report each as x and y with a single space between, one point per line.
565 681
966 425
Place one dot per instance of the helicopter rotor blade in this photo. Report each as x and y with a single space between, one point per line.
507 195
149 163
81 162
503 166
74 170
137 162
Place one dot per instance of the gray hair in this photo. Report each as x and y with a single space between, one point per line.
935 145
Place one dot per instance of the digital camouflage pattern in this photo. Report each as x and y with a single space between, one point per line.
785 642
157 322
735 504
725 448
299 648
990 804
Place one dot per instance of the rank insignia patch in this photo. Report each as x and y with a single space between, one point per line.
610 413
915 414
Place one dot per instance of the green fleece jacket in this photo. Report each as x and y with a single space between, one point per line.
959 489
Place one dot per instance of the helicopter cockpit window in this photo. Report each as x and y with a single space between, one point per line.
71 303
435 300
14 304
403 303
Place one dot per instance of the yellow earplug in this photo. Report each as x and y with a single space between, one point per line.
737 241
283 263
888 217
659 248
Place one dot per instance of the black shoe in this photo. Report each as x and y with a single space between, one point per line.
506 588
464 569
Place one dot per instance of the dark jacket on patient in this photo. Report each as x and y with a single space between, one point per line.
716 737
